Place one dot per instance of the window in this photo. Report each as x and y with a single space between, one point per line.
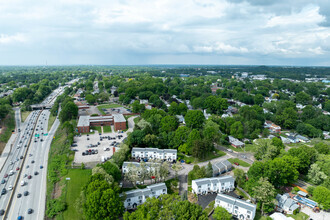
199 187
249 212
236 207
140 197
129 204
248 216
140 201
164 190
128 200
154 193
209 184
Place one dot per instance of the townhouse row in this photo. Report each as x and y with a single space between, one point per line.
154 153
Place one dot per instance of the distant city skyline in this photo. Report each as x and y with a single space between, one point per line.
187 32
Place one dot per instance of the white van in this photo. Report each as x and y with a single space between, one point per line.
22 183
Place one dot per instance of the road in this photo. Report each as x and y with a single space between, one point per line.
31 148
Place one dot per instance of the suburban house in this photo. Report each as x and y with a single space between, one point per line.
154 153
272 127
139 196
280 216
286 204
85 122
235 142
292 139
237 207
213 185
301 138
129 165
221 167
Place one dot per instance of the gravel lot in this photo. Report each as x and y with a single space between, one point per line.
83 144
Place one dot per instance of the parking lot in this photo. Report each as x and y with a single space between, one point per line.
97 149
118 110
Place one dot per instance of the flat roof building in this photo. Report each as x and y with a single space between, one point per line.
84 123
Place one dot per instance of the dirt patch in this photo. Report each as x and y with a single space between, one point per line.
192 197
57 190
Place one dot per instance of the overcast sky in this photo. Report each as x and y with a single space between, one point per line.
268 32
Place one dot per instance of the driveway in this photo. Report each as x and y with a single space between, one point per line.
322 215
204 200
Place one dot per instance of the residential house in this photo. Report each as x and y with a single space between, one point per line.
206 115
286 204
181 119
235 142
292 139
154 153
272 127
221 167
238 208
139 196
301 138
213 185
149 166
280 216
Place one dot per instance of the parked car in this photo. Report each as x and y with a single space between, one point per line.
237 164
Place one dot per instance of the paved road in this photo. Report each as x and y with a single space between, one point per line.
246 156
37 151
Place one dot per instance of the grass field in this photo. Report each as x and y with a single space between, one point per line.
96 128
107 106
24 115
209 156
300 216
240 162
107 129
209 207
78 178
51 121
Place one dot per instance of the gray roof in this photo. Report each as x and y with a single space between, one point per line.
83 121
302 137
238 202
134 149
202 181
119 118
159 186
222 165
214 179
285 202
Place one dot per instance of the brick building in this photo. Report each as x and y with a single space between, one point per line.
85 122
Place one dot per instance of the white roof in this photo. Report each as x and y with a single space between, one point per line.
119 118
280 216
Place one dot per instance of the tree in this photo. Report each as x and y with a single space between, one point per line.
173 109
258 99
180 136
326 106
211 131
264 193
169 123
306 156
279 172
322 148
288 118
322 196
221 213
182 109
303 98
237 130
193 136
112 169
200 148
69 111
177 167
209 170
194 119
315 175
102 201
90 99
240 176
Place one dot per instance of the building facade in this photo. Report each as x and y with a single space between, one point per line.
84 123
139 196
154 153
127 166
237 207
213 185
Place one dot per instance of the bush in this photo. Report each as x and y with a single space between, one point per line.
55 206
310 190
295 212
296 189
94 114
188 161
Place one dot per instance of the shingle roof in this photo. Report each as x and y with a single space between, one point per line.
238 202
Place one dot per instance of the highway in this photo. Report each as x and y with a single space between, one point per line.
34 154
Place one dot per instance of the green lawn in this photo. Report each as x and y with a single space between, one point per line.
51 121
107 106
78 178
209 156
136 120
24 115
240 162
96 128
247 148
107 129
239 192
300 216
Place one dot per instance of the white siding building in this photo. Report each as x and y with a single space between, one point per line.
154 153
129 165
139 196
213 185
237 207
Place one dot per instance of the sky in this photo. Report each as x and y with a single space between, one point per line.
130 32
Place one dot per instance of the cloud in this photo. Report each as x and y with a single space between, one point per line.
167 31
10 39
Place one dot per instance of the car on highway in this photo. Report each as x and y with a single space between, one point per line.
41 167
3 181
2 212
3 191
17 168
20 217
36 173
29 177
22 183
19 195
30 211
10 187
11 173
21 157
32 161
26 193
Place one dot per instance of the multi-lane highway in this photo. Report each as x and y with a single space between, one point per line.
23 175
